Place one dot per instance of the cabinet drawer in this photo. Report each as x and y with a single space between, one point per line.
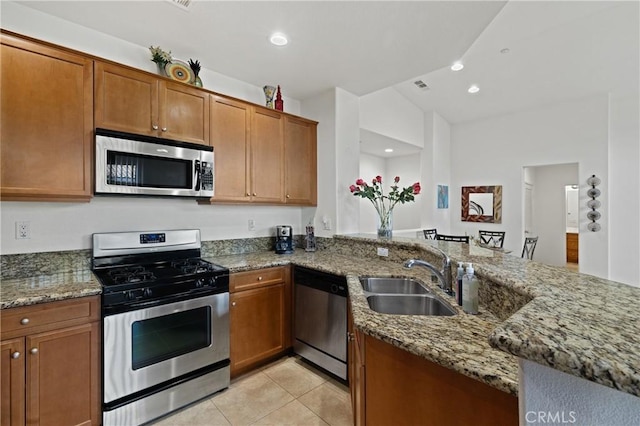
48 316
258 278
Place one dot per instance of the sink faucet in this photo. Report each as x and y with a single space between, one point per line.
444 276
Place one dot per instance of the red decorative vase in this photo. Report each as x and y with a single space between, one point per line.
279 103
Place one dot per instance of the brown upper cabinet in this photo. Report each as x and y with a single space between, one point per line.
300 149
262 155
47 122
138 102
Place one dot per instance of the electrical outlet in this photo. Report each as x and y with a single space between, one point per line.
252 225
23 231
327 224
383 251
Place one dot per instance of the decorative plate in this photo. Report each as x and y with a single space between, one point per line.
180 71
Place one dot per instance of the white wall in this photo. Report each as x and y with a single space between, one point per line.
389 113
624 189
549 212
494 151
546 394
347 160
436 170
68 226
322 109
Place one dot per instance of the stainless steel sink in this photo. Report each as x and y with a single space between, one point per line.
409 305
393 286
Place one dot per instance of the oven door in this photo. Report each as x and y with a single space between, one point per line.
149 346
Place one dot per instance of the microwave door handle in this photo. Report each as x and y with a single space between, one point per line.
197 172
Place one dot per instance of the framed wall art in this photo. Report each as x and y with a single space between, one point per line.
482 204
443 196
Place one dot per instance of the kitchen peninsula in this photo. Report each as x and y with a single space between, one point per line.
576 323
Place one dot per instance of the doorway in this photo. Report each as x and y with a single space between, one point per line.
573 225
545 209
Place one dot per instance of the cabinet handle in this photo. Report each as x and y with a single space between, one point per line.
15 355
24 321
259 278
248 195
288 196
233 303
351 337
155 127
34 351
254 194
164 129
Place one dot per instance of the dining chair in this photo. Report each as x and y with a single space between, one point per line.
529 247
492 238
430 234
456 238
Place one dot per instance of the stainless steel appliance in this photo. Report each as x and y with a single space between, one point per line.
321 319
129 164
165 323
284 239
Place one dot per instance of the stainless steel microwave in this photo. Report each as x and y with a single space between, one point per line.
129 164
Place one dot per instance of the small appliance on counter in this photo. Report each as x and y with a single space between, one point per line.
284 239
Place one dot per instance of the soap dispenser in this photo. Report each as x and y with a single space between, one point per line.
470 291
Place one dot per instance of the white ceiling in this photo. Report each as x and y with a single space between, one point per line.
559 50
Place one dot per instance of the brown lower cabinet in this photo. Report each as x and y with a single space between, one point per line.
259 316
51 363
405 389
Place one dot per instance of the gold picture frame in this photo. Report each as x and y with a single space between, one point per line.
482 204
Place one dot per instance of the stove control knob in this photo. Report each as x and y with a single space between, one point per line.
200 282
128 295
147 292
212 282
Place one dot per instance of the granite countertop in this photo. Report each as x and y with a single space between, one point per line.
457 342
48 287
575 323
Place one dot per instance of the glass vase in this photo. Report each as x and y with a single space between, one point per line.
385 225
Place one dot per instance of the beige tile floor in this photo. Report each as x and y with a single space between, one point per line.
285 392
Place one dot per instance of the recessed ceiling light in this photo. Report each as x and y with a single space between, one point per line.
278 39
457 66
388 150
473 89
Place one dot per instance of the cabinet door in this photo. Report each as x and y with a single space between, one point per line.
12 408
184 113
267 156
258 326
126 100
47 122
230 127
63 385
300 161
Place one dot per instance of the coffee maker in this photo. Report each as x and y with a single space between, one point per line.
284 239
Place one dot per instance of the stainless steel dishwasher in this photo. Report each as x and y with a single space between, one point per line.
321 319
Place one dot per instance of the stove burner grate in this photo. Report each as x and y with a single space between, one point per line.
131 274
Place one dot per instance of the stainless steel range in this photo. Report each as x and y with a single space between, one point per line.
165 323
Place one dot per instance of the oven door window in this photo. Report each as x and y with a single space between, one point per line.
127 169
158 339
